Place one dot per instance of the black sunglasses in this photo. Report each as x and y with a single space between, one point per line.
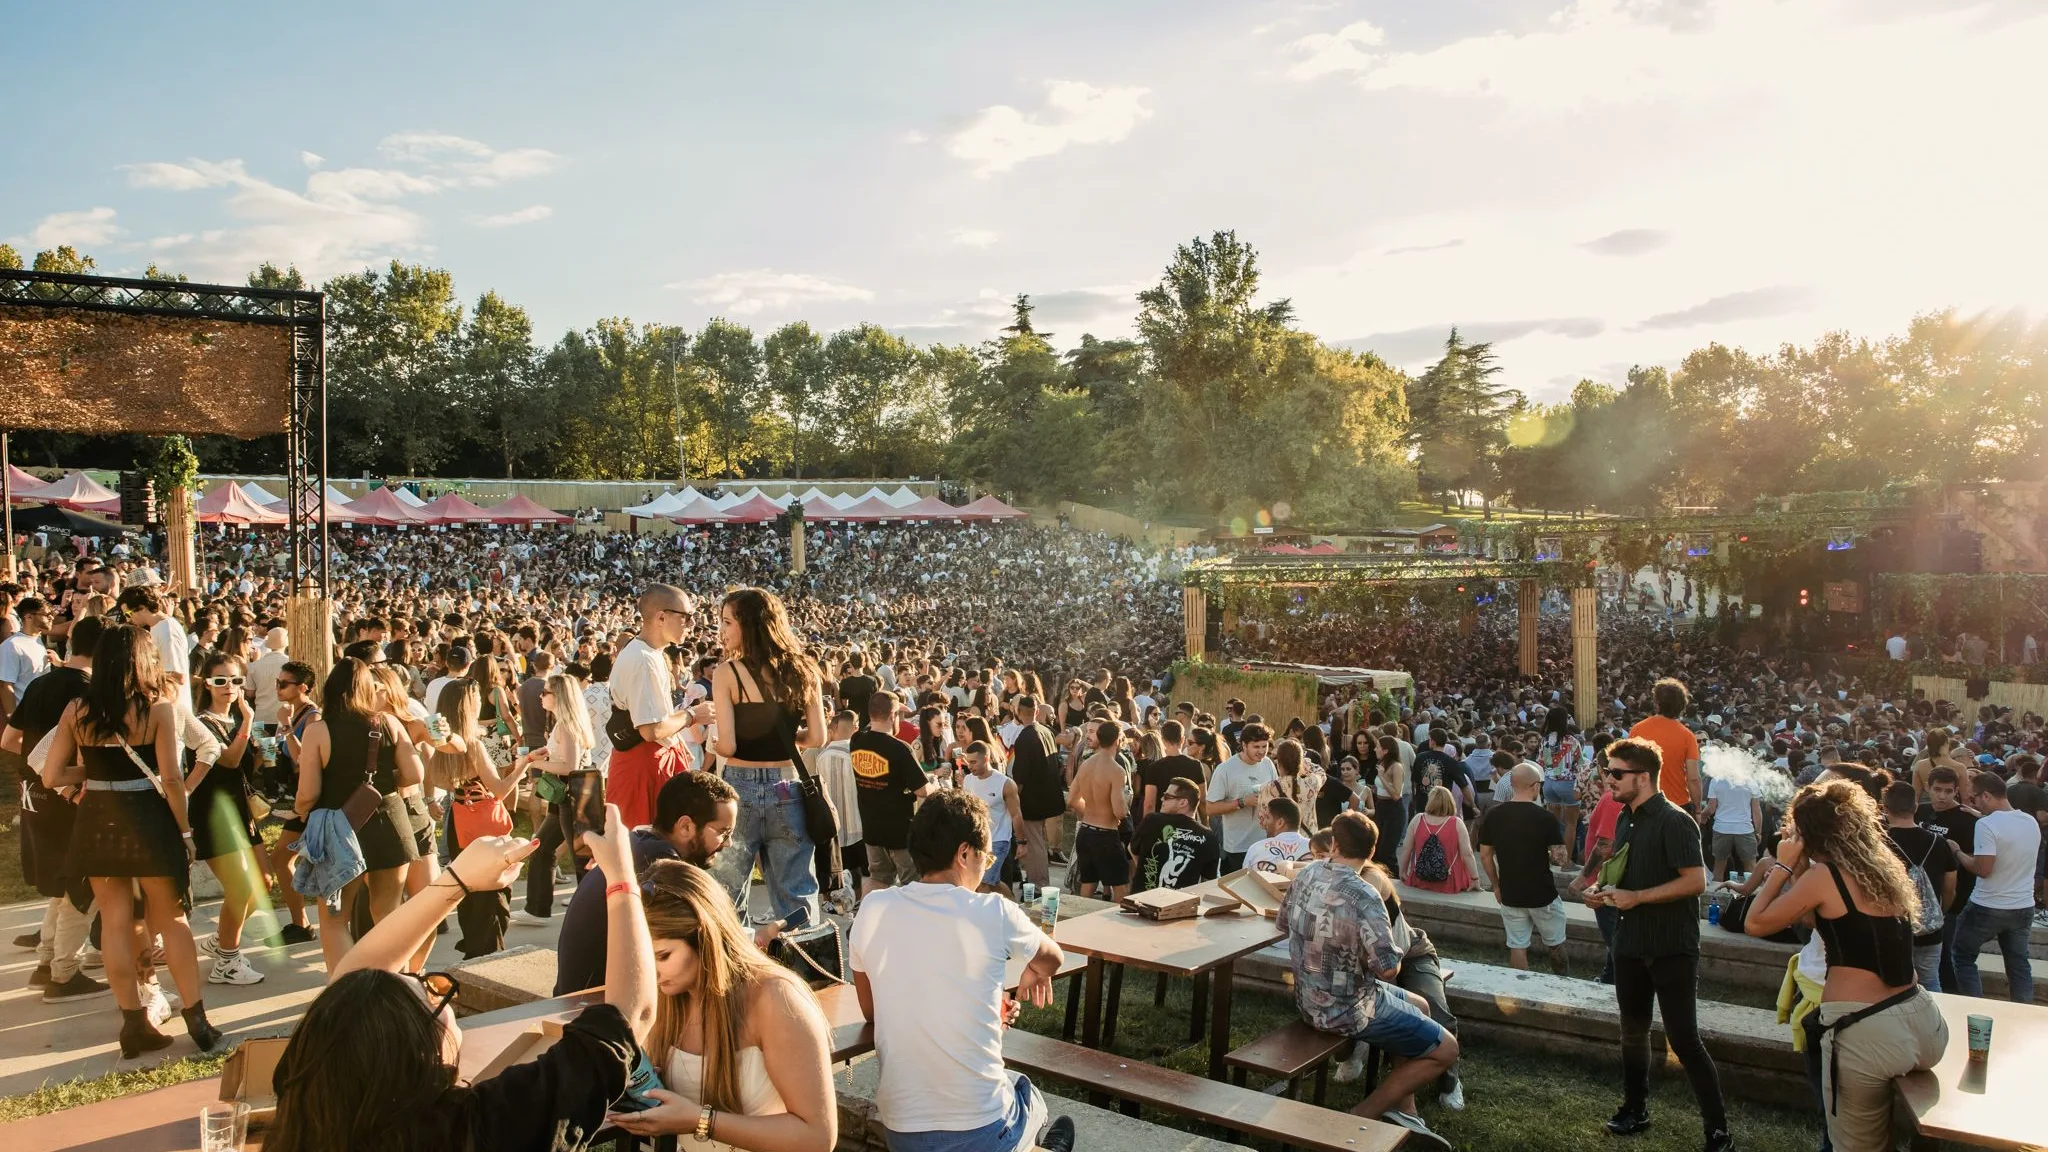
1618 773
441 987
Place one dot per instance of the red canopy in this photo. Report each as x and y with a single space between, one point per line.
76 491
758 510
816 509
22 487
988 508
697 511
929 508
111 506
228 504
453 509
520 510
872 508
382 506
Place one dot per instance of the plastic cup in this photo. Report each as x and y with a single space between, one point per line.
1980 1037
223 1127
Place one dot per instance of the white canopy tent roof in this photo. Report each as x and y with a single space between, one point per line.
903 497
255 493
661 505
406 497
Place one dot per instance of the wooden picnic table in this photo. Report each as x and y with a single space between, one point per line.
1987 1105
1201 946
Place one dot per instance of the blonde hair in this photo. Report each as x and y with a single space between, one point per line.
1841 826
1441 802
569 707
684 903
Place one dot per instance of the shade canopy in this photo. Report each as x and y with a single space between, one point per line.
1324 549
757 510
256 493
55 518
988 508
929 508
662 505
902 497
22 487
871 508
453 509
76 490
821 508
697 511
408 497
383 507
230 504
520 510
1282 550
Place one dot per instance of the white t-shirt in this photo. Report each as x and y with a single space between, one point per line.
22 659
2015 839
1268 854
934 955
1732 815
173 647
263 674
991 793
1232 780
433 700
642 686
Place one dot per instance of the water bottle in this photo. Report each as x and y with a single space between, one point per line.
1052 908
1714 912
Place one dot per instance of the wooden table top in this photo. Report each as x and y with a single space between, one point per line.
1180 947
1988 1105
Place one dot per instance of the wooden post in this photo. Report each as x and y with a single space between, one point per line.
1195 610
309 618
183 576
796 547
1528 597
1585 655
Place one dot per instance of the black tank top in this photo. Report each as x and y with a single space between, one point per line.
348 755
763 730
1878 944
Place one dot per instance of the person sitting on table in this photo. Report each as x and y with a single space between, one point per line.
929 958
372 1066
739 1040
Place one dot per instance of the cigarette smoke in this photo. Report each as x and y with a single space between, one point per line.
1745 770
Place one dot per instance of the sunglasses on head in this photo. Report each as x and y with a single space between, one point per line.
224 681
441 987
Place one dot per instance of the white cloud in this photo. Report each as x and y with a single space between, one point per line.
90 227
521 216
176 177
414 145
914 137
312 159
460 160
1344 50
1001 137
974 237
367 184
758 289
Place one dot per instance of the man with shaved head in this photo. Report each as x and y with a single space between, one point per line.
644 726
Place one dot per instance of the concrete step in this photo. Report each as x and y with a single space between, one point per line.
861 1131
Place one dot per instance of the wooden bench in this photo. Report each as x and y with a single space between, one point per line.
1288 1055
1242 1110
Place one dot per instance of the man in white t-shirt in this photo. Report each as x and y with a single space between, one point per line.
929 963
457 663
264 671
145 605
2001 906
644 689
1232 799
1735 814
1280 819
1895 647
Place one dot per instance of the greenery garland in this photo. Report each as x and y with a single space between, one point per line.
173 468
1203 674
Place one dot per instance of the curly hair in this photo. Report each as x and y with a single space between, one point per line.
1841 826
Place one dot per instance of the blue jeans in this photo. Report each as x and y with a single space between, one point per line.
770 832
1609 920
1927 965
2010 927
1018 1130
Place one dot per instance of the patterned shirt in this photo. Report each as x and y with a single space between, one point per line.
1338 935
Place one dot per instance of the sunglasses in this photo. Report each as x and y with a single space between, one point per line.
1618 773
224 681
441 987
282 683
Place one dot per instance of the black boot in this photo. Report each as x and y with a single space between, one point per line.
205 1035
138 1035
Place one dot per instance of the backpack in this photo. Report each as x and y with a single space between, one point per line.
1930 917
1430 862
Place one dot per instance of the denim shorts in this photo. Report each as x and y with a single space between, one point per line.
1018 1130
1564 793
1001 851
1398 1027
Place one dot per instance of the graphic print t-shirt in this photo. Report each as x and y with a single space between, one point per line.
886 771
1174 851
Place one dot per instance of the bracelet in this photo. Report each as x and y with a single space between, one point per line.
1778 867
704 1118
625 886
455 876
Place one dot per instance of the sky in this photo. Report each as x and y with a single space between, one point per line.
1592 184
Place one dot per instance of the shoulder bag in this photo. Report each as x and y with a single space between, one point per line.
821 823
366 800
817 954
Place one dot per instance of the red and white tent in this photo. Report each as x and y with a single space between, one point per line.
822 508
1324 549
453 509
929 508
988 508
871 508
383 507
758 509
229 504
78 491
520 510
22 487
697 511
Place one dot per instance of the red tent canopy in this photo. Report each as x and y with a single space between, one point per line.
111 506
988 508
520 510
382 506
228 504
872 508
929 508
22 487
453 509
697 511
758 510
76 490
816 509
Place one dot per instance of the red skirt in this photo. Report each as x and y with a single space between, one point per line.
633 779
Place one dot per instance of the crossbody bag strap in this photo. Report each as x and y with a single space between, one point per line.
135 756
373 741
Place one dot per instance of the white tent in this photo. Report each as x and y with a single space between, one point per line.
661 505
813 493
842 500
258 496
406 497
689 494
735 499
903 497
786 499
336 496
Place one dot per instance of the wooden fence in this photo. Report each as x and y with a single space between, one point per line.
2003 694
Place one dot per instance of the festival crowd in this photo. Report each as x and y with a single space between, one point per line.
903 734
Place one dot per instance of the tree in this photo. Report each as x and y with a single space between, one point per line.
727 363
1002 431
64 258
1458 416
510 405
10 260
797 373
267 276
391 351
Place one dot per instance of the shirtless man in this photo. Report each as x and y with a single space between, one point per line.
1100 801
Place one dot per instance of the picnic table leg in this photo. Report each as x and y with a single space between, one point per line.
1116 994
1159 990
1200 1011
1219 1020
1073 1009
1091 1010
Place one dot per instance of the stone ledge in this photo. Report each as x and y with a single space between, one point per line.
505 979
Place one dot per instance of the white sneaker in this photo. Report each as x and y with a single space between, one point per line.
156 1003
1353 1066
527 919
1455 1098
234 970
1416 1128
210 947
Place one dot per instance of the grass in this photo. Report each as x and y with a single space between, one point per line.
1516 1100
92 1090
13 890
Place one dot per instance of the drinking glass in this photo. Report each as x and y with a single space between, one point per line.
223 1126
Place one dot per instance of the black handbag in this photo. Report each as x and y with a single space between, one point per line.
817 954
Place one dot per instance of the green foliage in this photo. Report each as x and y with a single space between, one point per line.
63 258
9 258
173 467
1458 418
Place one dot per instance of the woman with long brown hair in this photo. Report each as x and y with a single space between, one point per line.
1296 779
768 708
356 742
132 830
736 1035
1837 863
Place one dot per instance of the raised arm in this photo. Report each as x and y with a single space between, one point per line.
629 951
488 864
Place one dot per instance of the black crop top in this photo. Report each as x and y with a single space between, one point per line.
764 732
1878 944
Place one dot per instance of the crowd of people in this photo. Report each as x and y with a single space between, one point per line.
901 734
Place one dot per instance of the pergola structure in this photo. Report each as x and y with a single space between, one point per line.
100 355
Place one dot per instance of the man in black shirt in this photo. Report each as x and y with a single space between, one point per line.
1661 873
1171 847
1433 766
890 783
1944 813
46 821
1155 775
1041 791
1233 721
1519 842
856 686
1929 852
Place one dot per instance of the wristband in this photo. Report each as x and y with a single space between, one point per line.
1776 866
453 875
625 886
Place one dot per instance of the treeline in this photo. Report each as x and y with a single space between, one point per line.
1219 407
